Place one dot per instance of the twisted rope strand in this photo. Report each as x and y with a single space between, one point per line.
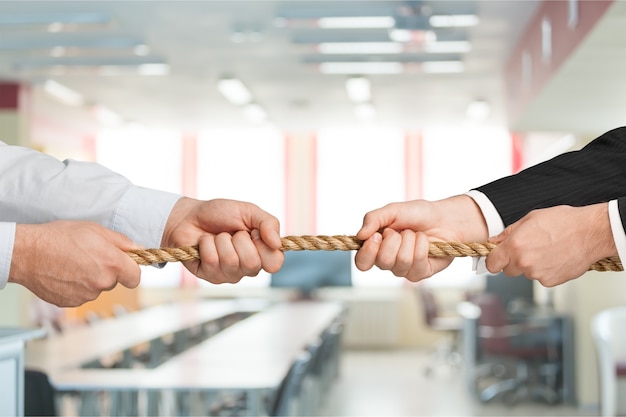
343 242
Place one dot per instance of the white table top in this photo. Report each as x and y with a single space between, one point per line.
16 334
254 353
78 346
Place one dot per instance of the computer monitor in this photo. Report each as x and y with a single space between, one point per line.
306 271
511 290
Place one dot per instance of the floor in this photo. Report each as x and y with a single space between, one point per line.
392 383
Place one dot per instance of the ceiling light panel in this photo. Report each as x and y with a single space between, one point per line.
54 21
235 91
359 89
378 22
348 48
361 67
49 41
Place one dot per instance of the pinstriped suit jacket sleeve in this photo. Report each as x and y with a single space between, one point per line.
594 174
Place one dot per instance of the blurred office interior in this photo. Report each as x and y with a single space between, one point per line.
318 112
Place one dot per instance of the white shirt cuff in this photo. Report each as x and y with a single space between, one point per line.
7 239
617 228
142 213
494 222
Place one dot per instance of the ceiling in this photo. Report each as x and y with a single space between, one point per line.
277 59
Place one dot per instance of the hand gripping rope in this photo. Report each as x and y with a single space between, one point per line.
343 242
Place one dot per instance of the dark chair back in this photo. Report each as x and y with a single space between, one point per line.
39 394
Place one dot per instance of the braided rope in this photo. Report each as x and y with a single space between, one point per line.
343 242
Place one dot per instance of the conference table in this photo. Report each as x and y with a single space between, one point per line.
251 356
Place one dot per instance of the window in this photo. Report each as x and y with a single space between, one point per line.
358 171
246 165
149 159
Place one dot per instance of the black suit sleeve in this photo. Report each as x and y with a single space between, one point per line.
594 174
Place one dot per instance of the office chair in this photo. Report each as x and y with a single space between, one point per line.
607 328
39 394
448 352
290 398
528 348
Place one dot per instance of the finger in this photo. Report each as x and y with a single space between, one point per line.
130 274
228 257
502 236
249 259
271 259
388 252
208 267
404 258
421 267
374 221
366 255
268 226
497 259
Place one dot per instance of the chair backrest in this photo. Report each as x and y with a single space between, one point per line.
607 329
289 391
39 394
429 303
492 314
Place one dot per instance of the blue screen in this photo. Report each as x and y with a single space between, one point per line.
308 270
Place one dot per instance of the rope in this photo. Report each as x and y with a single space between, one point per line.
343 242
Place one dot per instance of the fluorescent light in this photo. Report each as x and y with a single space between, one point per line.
107 117
460 20
435 67
359 89
361 68
478 110
406 35
62 93
235 91
58 51
448 47
141 50
365 111
255 113
153 69
374 22
360 48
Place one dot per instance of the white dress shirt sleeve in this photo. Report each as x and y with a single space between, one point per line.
7 237
619 236
495 225
37 188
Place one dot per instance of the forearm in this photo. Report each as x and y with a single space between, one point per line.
37 188
596 173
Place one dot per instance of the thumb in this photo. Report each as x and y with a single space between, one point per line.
375 221
502 236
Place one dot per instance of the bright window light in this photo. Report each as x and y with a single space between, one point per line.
378 154
149 159
479 155
219 176
373 22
